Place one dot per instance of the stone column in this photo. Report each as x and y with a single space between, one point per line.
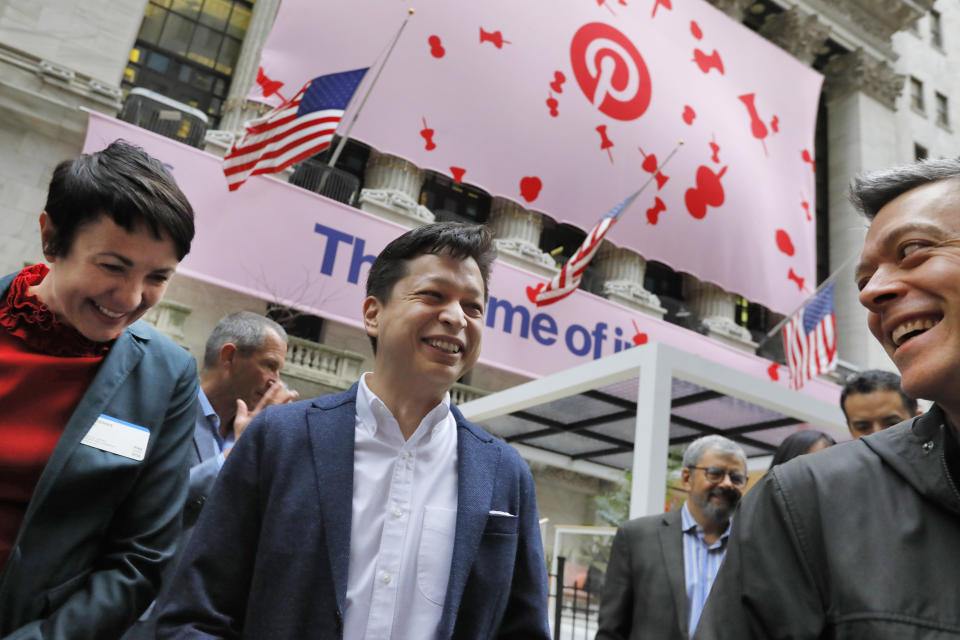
623 271
799 33
237 109
517 233
393 189
860 93
733 8
716 308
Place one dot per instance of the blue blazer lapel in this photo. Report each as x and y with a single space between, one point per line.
477 461
125 354
331 422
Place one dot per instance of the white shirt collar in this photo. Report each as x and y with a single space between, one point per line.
376 418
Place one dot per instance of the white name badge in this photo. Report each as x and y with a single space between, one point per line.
119 437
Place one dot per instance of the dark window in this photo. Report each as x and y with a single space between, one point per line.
936 29
667 285
353 158
187 50
454 201
562 241
916 94
943 110
296 323
919 152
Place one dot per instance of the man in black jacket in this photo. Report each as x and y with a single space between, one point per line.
860 541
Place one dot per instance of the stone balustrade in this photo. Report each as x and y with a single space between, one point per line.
169 318
320 363
462 393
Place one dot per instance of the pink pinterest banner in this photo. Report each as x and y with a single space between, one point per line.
567 107
288 245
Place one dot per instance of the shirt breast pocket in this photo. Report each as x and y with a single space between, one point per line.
435 553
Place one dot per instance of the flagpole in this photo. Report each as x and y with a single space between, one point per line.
346 134
653 175
829 280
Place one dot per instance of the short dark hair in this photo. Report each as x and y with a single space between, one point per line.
875 380
244 329
454 239
870 192
124 183
797 444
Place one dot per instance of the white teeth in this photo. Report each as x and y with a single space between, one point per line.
110 314
899 335
443 345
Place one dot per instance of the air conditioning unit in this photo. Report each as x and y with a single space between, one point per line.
154 112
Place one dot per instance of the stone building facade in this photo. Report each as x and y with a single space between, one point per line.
890 89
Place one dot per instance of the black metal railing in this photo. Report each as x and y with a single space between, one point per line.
327 181
576 607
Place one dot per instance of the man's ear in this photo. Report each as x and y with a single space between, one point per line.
371 316
48 234
685 478
228 353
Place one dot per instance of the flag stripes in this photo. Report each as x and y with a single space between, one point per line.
567 281
810 339
299 128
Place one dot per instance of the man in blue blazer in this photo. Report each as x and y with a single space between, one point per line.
379 512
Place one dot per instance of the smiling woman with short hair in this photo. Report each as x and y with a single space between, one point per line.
97 407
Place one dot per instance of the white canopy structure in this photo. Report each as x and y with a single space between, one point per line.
624 412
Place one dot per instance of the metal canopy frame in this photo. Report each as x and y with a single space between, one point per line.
626 410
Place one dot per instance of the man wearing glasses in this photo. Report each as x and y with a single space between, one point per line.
662 566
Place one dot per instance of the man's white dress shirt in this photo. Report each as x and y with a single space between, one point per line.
403 523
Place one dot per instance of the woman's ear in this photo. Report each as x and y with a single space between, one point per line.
48 235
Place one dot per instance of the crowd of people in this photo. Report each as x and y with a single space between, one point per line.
140 499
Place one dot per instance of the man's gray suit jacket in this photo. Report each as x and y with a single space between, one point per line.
644 595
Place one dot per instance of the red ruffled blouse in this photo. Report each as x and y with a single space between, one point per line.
45 368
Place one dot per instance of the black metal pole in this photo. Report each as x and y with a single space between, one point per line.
558 597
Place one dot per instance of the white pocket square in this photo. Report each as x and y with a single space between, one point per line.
502 513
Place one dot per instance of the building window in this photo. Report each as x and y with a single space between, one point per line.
352 159
916 95
452 201
936 30
667 285
943 110
187 50
296 323
562 241
919 152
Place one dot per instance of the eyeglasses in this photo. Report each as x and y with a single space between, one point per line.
715 474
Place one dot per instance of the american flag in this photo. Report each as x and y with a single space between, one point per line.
567 281
294 131
810 339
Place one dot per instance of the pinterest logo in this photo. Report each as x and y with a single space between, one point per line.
610 71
